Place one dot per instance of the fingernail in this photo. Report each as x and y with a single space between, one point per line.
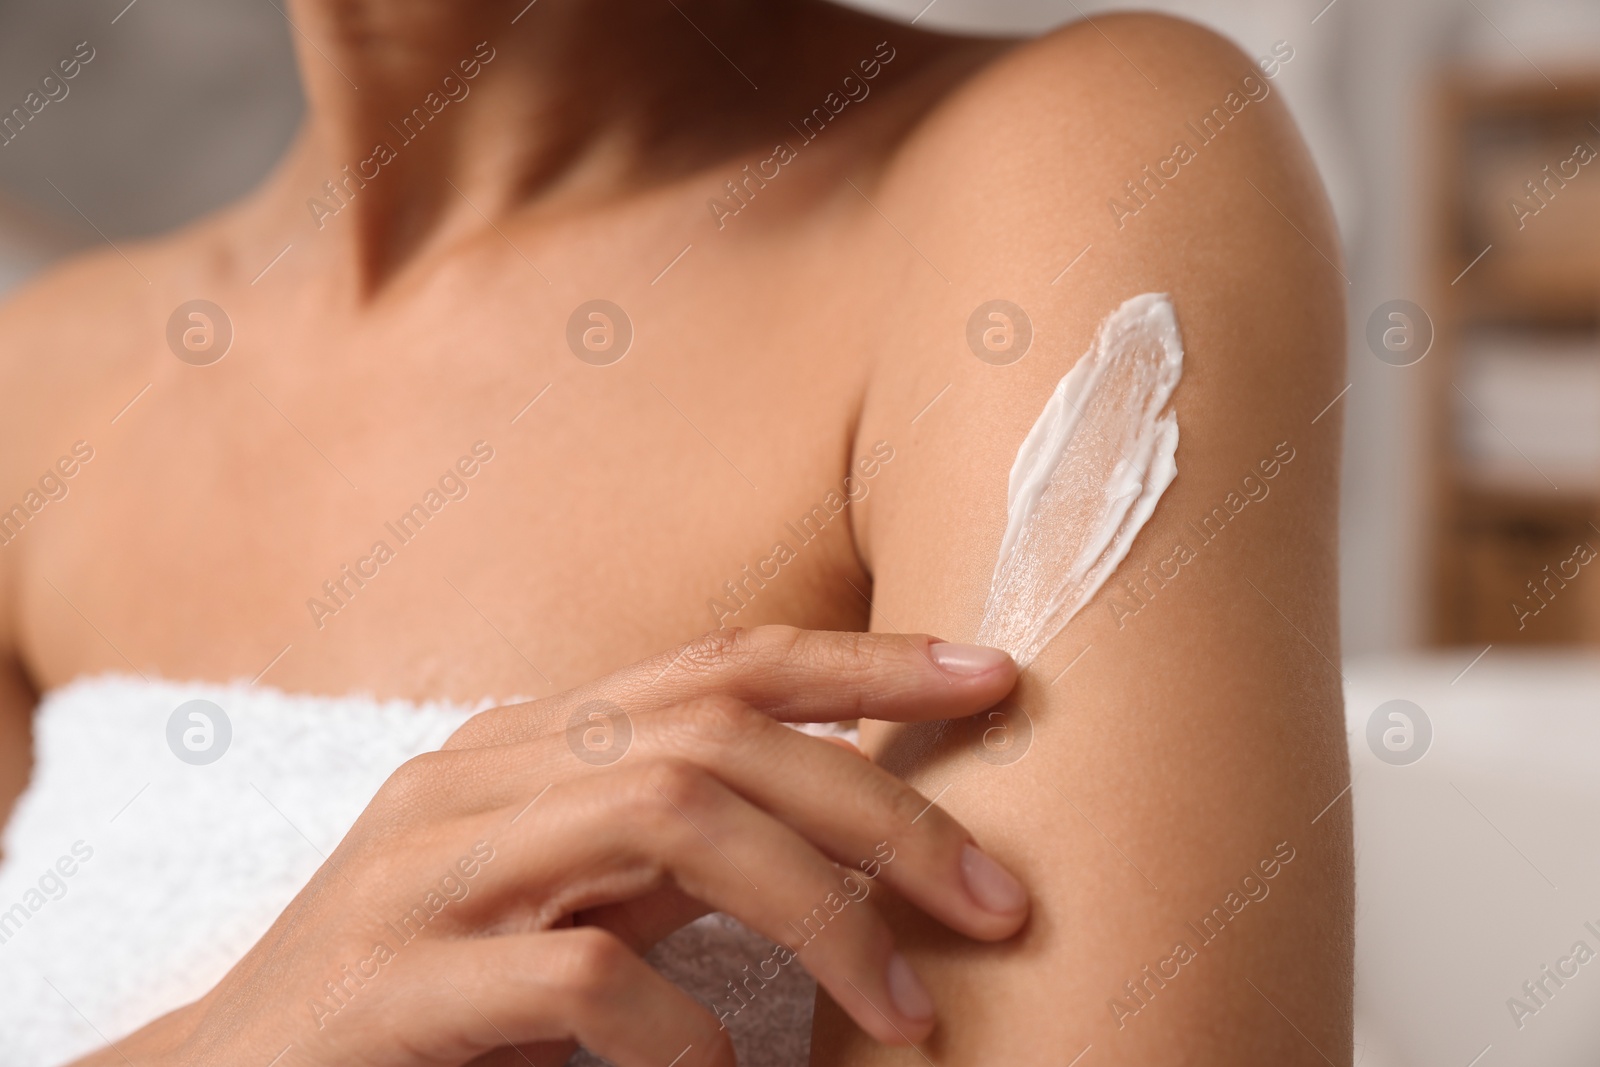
967 659
990 884
907 992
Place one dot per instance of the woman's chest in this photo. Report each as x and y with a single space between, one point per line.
506 497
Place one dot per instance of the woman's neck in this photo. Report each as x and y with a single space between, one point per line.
425 112
428 115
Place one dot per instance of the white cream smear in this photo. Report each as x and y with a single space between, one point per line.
1087 477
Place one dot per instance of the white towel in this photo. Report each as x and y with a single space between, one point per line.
134 879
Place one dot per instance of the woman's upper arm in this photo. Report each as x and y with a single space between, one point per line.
1174 810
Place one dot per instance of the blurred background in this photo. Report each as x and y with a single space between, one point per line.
1460 142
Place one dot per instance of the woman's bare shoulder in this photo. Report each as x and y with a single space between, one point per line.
1078 95
87 334
1139 153
70 327
1125 133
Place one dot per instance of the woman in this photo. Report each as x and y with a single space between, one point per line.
566 333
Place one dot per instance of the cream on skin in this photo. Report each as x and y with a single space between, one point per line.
1087 477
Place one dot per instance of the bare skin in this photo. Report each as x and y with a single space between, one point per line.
1195 735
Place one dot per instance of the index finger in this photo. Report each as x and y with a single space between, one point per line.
791 674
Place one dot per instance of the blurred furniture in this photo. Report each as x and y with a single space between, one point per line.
1514 370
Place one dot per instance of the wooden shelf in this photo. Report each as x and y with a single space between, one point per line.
1521 287
1492 533
1498 94
1499 501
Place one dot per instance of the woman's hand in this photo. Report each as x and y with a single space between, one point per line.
495 894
